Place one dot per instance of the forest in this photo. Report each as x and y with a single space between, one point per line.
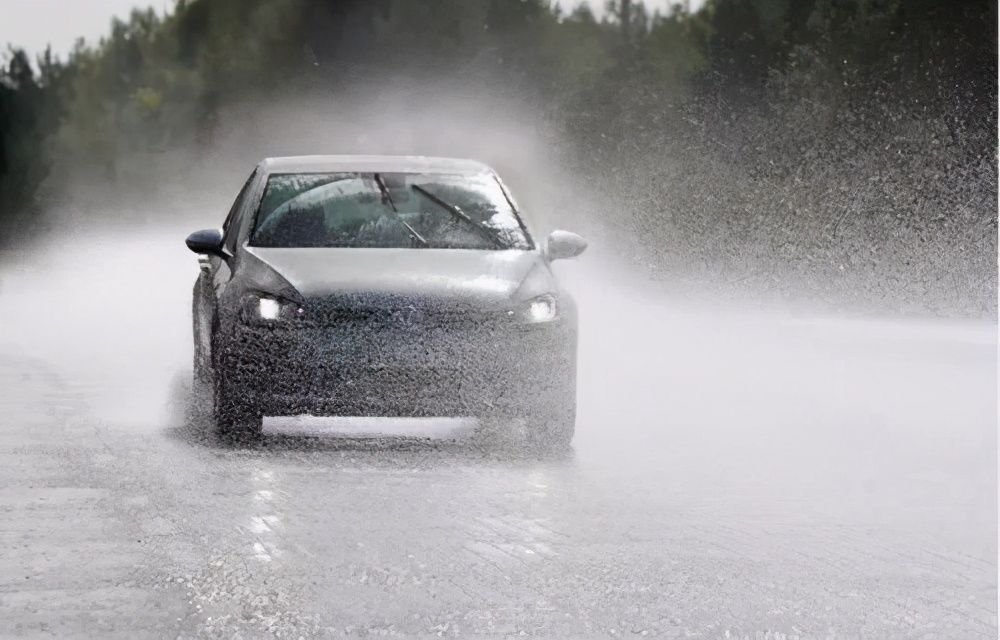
843 147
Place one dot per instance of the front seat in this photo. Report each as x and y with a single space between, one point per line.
300 228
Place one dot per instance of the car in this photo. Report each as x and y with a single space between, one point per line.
384 286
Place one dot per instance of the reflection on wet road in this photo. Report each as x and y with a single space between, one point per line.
732 477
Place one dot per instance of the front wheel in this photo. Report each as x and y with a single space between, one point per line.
552 430
541 432
235 417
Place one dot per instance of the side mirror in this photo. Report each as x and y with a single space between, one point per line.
205 242
564 244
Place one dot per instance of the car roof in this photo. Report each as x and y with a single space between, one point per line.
370 164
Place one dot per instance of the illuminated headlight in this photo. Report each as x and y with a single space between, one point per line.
269 309
266 309
540 309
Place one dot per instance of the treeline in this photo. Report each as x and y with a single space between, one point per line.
824 133
157 81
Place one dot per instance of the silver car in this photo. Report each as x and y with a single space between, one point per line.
384 286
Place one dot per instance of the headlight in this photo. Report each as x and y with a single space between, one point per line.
258 309
269 308
540 309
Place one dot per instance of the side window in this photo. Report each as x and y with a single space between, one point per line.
230 227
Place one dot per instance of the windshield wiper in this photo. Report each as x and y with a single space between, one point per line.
461 215
395 213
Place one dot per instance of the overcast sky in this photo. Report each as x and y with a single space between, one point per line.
33 24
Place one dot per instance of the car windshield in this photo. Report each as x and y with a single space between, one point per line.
387 210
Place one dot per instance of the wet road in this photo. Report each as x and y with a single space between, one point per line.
734 475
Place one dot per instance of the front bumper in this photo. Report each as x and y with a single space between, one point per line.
372 370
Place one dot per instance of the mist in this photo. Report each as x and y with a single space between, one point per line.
656 364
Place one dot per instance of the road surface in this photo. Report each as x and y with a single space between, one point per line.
735 475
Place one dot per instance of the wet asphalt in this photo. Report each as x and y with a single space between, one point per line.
733 476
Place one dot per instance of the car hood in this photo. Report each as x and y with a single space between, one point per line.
453 273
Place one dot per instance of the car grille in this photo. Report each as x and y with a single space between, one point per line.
401 313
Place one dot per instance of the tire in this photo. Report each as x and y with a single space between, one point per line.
540 433
552 431
235 418
552 418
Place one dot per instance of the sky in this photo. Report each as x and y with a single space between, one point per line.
33 24
597 6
